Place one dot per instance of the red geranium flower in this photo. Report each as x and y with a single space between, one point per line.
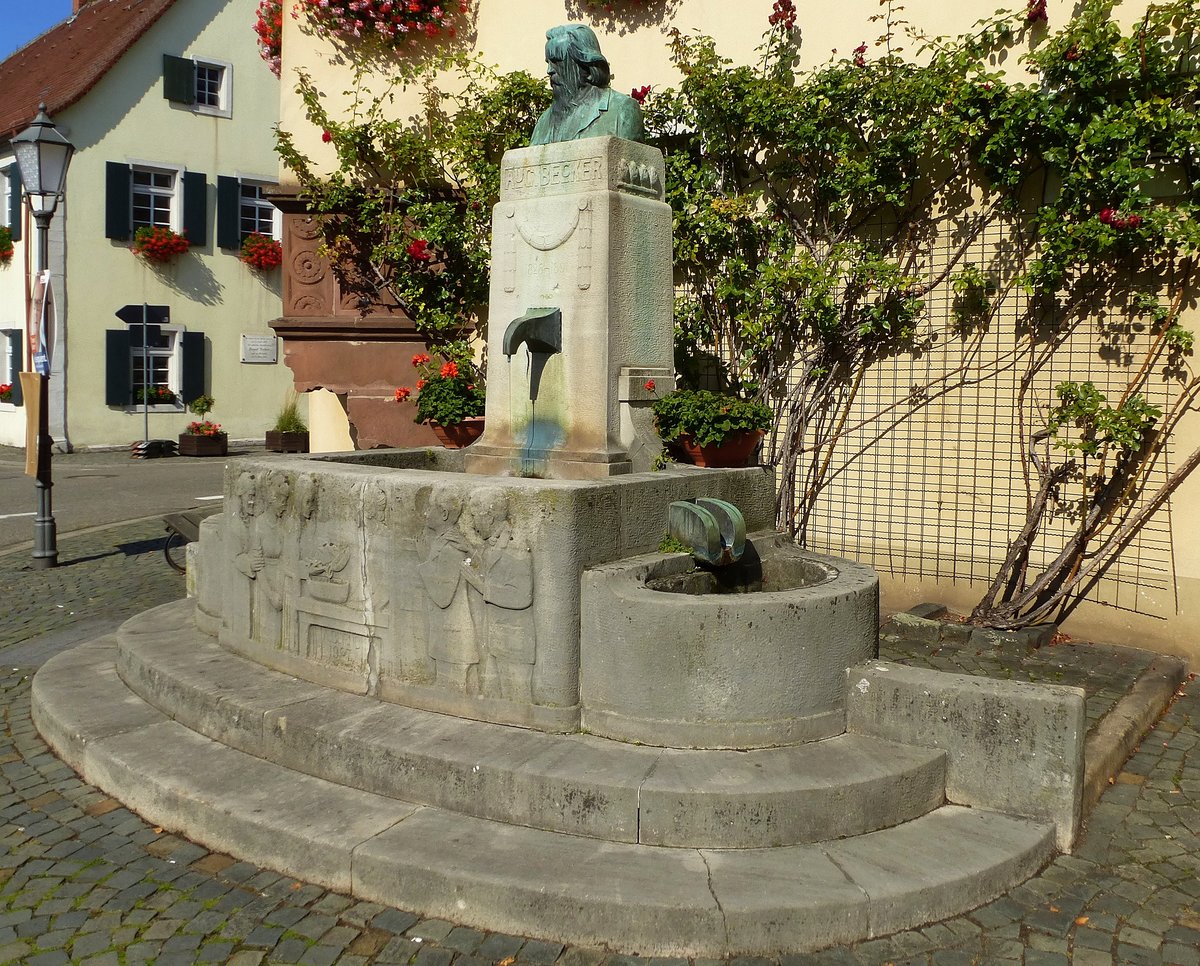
450 370
402 393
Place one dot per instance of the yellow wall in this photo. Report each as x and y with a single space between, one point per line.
511 36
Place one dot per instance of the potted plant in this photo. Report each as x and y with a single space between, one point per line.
450 398
711 428
261 252
159 244
203 437
6 392
290 434
6 245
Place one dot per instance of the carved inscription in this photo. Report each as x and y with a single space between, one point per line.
557 173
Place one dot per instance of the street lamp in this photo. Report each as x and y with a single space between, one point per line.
43 155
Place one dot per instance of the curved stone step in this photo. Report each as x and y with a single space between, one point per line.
653 900
575 783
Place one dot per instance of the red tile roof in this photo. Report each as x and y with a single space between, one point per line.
64 63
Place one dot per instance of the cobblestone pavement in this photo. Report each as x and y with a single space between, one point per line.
83 880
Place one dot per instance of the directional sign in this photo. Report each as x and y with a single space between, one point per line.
137 314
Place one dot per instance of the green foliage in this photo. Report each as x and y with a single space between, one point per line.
449 400
408 205
288 419
973 291
708 417
672 544
201 405
1100 427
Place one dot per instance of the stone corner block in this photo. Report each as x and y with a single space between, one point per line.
1012 747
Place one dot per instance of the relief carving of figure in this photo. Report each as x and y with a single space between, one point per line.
442 552
500 575
584 104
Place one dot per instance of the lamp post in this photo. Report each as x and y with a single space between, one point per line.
43 155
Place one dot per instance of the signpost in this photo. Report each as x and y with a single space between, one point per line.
144 323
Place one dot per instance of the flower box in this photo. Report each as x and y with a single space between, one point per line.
193 445
286 442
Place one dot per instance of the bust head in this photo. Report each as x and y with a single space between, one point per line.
574 61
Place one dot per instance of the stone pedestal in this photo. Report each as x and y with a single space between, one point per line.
581 227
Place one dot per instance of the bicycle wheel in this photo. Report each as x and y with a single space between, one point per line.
175 551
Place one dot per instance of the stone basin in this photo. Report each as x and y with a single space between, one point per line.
750 656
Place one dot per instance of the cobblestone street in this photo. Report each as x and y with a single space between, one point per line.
83 880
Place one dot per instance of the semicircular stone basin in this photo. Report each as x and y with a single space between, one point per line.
747 656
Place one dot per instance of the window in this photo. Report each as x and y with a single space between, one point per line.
10 200
176 364
160 358
243 208
145 196
11 342
202 85
153 198
257 213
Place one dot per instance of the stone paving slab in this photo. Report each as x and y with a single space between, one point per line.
83 879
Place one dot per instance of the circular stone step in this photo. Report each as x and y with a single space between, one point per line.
580 784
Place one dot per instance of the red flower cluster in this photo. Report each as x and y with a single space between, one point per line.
402 393
784 15
860 59
204 428
268 24
649 387
326 137
6 245
5 392
393 21
419 250
159 244
639 94
1110 216
261 252
449 370
420 359
1036 11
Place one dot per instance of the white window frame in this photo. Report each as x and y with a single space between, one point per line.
176 193
174 355
6 359
224 105
6 192
276 214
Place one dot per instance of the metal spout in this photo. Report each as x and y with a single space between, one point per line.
539 329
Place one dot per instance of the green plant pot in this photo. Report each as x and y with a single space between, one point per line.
190 445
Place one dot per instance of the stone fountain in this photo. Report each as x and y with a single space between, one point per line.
466 683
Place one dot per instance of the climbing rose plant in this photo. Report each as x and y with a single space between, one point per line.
268 24
392 21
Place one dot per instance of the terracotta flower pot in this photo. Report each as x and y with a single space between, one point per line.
734 451
190 445
278 442
459 435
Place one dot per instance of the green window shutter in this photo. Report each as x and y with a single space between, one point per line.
117 215
15 221
192 383
16 342
195 207
179 79
118 390
229 212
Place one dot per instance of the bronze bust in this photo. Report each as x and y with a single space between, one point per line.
584 106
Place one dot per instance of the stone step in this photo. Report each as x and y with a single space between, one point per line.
566 888
574 783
